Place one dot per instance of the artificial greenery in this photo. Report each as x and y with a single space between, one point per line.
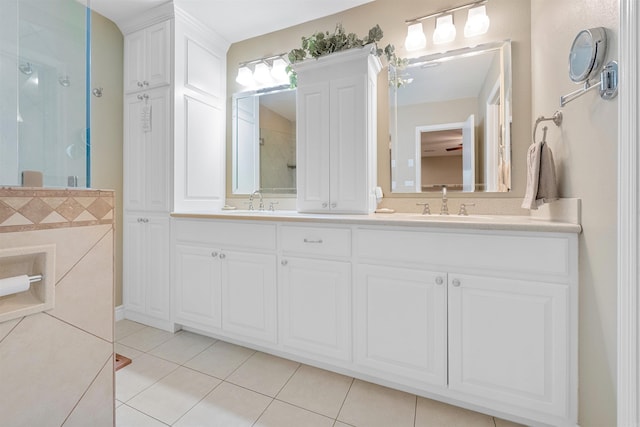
320 44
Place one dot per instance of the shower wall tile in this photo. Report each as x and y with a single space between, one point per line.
57 366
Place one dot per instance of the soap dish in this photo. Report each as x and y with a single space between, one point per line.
385 210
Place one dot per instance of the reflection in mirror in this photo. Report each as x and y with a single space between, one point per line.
264 141
450 121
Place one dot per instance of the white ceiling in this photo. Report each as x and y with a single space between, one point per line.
235 20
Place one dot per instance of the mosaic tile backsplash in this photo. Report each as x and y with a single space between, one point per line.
38 209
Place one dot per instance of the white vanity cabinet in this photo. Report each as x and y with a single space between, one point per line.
336 132
147 58
225 279
482 317
147 290
147 151
315 291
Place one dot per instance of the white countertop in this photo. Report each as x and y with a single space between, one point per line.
477 222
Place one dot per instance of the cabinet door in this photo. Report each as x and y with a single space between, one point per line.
146 266
315 307
147 58
508 340
133 264
158 55
348 151
198 295
157 281
146 151
249 294
401 323
312 173
134 61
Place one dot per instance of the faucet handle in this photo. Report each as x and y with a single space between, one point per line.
271 206
425 210
463 208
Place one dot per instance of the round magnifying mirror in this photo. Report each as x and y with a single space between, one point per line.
587 55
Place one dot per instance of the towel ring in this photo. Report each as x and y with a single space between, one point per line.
556 119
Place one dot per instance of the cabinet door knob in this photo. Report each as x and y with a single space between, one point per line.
284 262
439 280
214 254
140 98
140 84
325 204
455 282
333 205
146 83
222 256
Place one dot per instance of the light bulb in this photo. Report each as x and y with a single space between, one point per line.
245 76
262 74
445 30
415 37
279 71
477 22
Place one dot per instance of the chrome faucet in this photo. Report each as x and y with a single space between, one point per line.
252 196
425 209
444 210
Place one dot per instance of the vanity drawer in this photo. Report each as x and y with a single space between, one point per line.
226 234
316 240
547 254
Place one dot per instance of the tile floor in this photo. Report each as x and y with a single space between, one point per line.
188 380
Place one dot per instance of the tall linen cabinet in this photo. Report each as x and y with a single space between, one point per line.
336 132
174 146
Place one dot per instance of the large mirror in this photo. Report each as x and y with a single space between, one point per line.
264 141
450 121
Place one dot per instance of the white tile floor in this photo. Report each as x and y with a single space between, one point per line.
188 380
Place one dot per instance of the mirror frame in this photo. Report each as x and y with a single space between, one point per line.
591 42
506 100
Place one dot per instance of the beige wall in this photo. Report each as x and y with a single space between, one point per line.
509 20
106 122
585 150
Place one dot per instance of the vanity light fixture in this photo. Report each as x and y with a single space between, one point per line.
415 37
445 30
279 71
267 71
262 74
245 76
477 24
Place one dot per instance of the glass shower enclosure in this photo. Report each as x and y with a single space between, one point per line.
44 80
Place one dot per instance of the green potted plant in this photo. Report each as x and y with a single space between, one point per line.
320 44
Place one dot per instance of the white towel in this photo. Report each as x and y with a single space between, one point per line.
541 177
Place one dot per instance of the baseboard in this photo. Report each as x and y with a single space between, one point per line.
119 313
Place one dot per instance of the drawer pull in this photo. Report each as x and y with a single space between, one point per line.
312 241
455 282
